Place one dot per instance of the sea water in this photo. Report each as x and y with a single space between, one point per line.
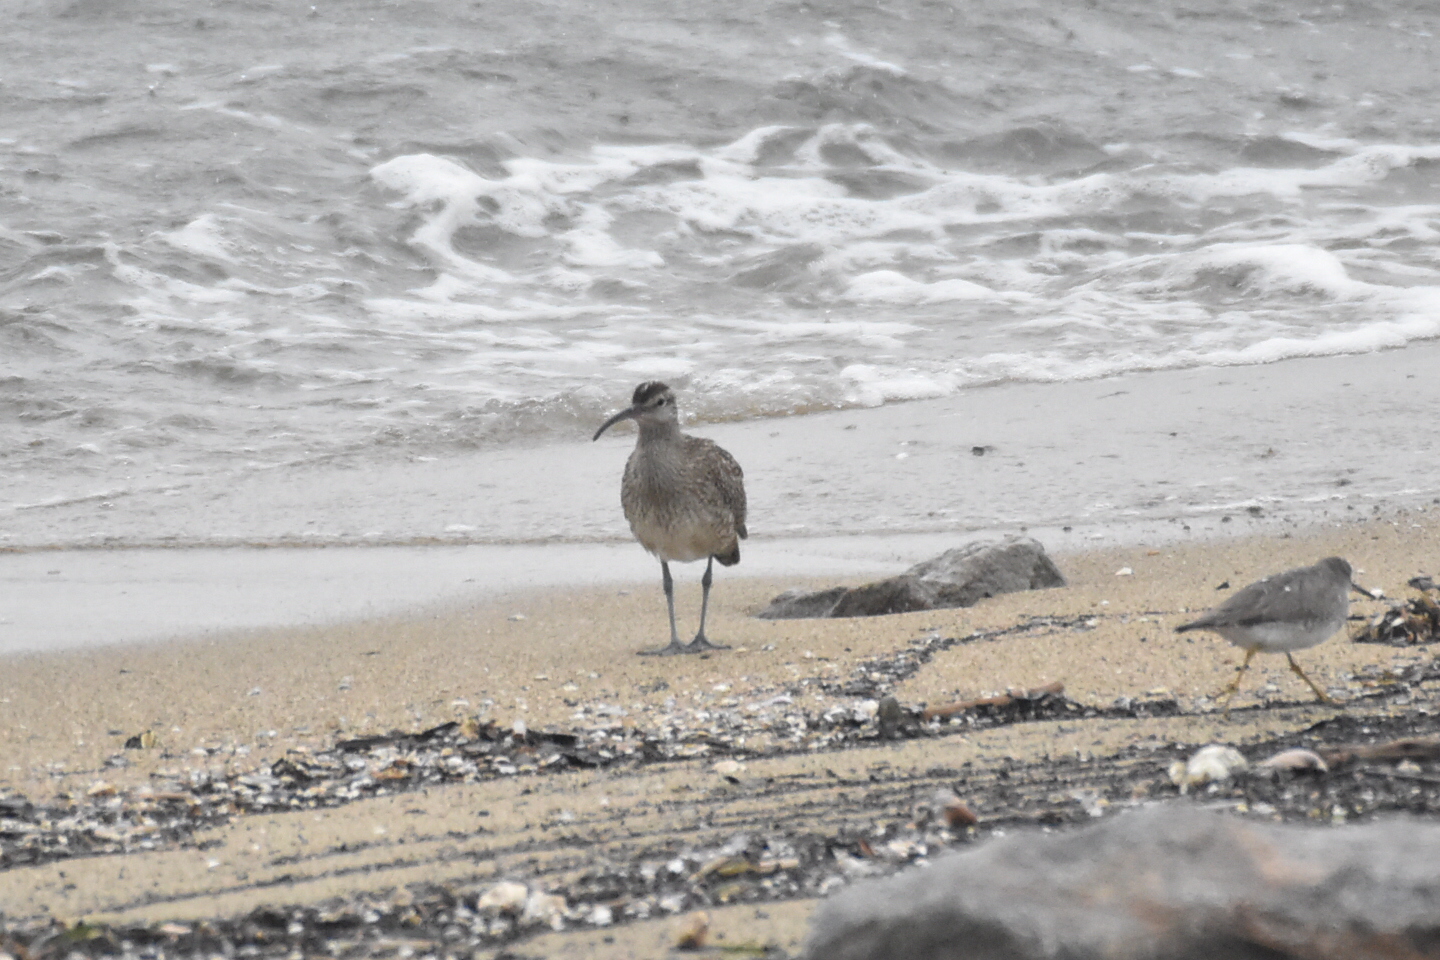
278 245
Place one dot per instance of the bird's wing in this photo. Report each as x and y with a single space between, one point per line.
1277 598
729 479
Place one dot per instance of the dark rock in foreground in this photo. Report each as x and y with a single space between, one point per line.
956 578
1170 882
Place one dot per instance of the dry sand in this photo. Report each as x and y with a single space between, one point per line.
533 657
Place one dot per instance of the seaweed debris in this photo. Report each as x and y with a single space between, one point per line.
1406 623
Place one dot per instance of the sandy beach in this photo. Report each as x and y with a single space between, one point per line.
319 614
558 659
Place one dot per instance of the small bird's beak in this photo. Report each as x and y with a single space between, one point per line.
628 413
1376 594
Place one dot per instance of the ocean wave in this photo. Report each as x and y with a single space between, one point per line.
402 247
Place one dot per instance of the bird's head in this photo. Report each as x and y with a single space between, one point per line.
1344 573
652 405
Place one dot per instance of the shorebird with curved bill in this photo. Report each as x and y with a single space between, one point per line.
1288 611
684 497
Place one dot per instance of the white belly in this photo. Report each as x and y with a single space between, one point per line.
1280 636
682 542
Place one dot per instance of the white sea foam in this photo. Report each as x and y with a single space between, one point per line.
658 368
1137 300
801 204
1373 336
1270 268
1131 308
889 286
591 245
871 386
202 236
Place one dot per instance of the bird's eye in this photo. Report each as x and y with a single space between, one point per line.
660 402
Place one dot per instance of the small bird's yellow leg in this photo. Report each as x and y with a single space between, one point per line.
1234 686
1301 674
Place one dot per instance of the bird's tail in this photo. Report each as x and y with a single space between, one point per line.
731 558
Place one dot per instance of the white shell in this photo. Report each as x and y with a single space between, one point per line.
1296 758
506 896
1213 763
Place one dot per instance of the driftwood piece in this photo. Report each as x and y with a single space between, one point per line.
1409 748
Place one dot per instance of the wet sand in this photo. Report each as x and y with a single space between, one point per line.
246 700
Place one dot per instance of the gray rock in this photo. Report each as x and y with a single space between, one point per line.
897 595
1172 882
802 603
891 718
956 578
962 576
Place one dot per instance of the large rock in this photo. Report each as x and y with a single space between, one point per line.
1172 882
956 578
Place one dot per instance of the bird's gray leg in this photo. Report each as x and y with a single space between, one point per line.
700 643
669 584
675 645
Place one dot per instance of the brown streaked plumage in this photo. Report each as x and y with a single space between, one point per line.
684 497
1288 611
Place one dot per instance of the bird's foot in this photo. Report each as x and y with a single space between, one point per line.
700 645
670 650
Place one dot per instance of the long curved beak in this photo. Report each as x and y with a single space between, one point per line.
627 414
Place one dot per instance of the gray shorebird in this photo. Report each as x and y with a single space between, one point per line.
1288 611
684 497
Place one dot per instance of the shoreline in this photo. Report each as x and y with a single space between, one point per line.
1300 440
155 594
1143 458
